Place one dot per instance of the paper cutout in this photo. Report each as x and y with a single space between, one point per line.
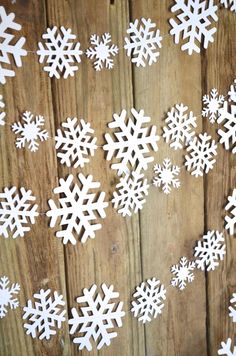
232 309
6 295
183 274
231 218
226 348
231 4
2 112
227 117
165 176
232 92
212 104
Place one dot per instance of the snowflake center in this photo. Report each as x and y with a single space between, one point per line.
213 105
30 131
166 176
5 296
183 273
102 51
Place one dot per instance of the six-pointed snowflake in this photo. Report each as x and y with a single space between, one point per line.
79 207
8 44
75 143
149 297
16 211
231 4
201 152
131 141
232 92
45 315
60 51
213 103
226 348
194 22
30 131
165 176
96 317
102 51
144 42
6 296
210 250
2 112
179 129
232 309
182 272
231 218
227 116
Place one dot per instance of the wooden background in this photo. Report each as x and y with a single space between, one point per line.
126 250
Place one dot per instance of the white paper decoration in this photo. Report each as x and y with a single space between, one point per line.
230 219
182 273
7 296
212 103
166 176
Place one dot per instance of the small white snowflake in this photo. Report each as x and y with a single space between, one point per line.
60 51
200 159
232 92
6 296
2 112
144 42
210 250
165 176
226 348
96 317
213 103
149 297
227 116
231 4
102 51
45 315
75 142
232 309
182 273
231 218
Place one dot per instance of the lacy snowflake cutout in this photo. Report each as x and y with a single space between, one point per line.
96 317
44 315
210 250
165 176
213 103
231 218
182 272
16 211
227 116
201 151
6 296
179 128
102 51
79 208
149 297
60 52
232 309
75 143
131 142
195 23
130 194
2 112
8 45
231 4
30 131
226 348
143 44
232 92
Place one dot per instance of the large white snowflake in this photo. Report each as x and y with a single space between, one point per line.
102 51
144 42
182 272
130 193
149 297
165 176
226 348
8 45
16 211
44 315
30 131
96 317
231 218
227 116
213 103
232 92
210 250
75 142
6 295
60 51
232 309
2 112
201 151
231 4
179 128
132 141
80 206
194 23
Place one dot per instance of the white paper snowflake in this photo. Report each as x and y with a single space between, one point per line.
6 295
2 112
130 193
226 348
165 176
16 211
232 92
144 42
194 22
232 309
75 143
231 4
231 218
96 317
200 159
227 116
179 128
80 206
182 272
30 131
132 141
210 250
102 51
61 52
44 315
149 297
213 103
8 44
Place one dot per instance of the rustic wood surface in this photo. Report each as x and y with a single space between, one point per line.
126 250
